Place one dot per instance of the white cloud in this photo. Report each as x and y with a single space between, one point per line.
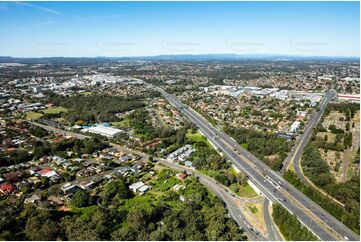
43 9
42 24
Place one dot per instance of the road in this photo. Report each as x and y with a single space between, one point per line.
271 226
302 141
305 137
270 183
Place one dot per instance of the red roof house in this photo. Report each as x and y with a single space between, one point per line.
7 189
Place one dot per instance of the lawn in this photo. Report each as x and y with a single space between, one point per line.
33 115
122 124
197 137
137 202
86 211
244 191
55 110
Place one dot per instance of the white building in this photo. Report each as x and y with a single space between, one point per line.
105 131
295 126
139 187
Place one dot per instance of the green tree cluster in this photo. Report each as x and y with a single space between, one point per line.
289 225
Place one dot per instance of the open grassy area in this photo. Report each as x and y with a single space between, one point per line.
139 202
54 110
197 137
60 120
33 115
243 191
84 211
122 124
330 136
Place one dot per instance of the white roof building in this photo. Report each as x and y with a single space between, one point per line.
139 187
105 131
295 126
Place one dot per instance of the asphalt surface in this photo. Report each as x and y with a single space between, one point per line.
271 226
270 183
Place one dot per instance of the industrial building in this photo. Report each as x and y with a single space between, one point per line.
104 131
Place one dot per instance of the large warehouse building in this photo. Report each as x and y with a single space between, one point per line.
105 131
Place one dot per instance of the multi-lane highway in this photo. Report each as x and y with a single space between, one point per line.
270 183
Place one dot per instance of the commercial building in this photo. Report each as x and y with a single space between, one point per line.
104 131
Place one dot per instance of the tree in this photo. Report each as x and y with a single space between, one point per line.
41 227
80 199
241 178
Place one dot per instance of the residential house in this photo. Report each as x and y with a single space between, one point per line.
139 187
7 189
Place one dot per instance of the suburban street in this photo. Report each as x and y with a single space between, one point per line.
271 184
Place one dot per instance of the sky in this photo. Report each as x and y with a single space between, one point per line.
115 29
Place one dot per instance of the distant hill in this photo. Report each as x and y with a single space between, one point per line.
202 57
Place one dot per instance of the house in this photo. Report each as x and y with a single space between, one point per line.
125 158
140 164
22 184
139 187
7 189
295 126
34 198
33 180
86 185
58 160
176 187
182 176
122 171
188 163
69 188
47 172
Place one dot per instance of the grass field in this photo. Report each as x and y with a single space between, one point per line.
33 115
331 136
244 191
122 124
55 110
197 137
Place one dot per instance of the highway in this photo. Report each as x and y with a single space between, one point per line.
270 183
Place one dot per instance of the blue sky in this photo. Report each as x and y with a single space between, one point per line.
36 29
